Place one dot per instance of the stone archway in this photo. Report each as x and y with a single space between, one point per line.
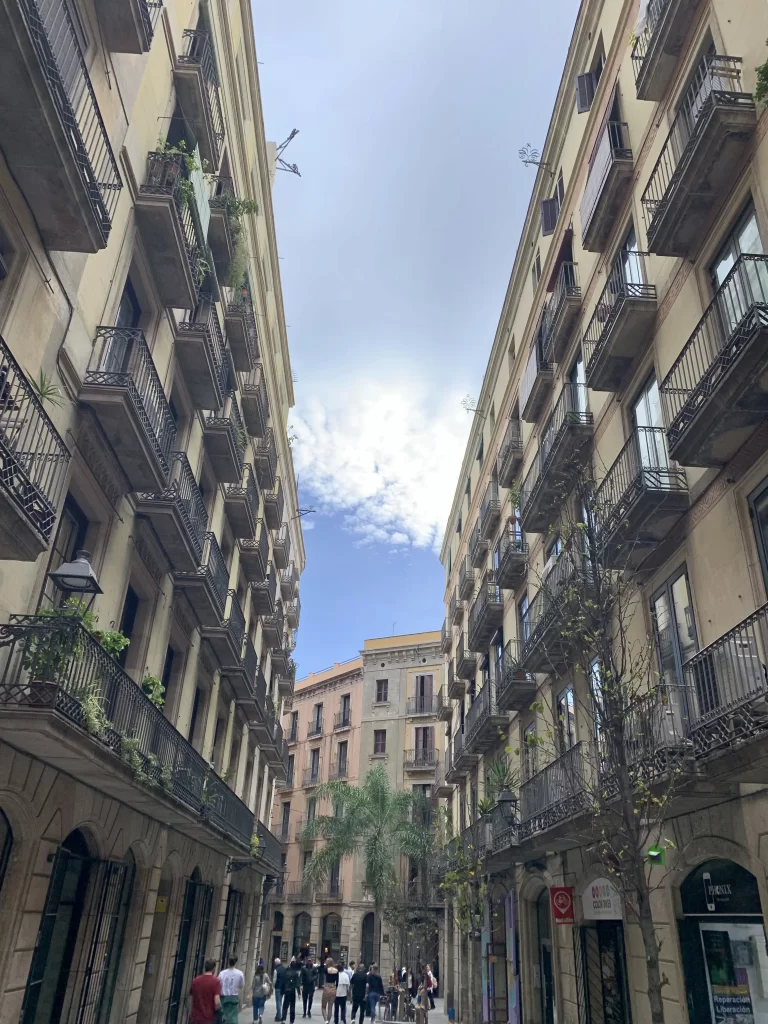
163 902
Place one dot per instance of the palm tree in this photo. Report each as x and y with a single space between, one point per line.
370 820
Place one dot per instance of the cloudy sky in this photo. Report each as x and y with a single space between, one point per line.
396 246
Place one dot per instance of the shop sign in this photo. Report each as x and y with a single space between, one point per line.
313 950
601 902
344 955
284 951
720 887
561 901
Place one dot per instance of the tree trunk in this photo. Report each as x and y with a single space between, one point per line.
650 944
470 987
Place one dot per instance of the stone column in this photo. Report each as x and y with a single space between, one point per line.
227 751
253 795
242 762
210 721
265 790
188 686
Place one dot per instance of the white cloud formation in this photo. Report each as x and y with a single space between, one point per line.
383 457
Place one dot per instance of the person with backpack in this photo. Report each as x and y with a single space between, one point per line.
375 990
308 983
260 992
358 986
431 986
291 985
277 980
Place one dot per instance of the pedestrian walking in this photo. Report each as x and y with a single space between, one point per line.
232 984
431 986
205 995
358 985
375 990
260 991
308 983
330 983
342 991
277 981
291 986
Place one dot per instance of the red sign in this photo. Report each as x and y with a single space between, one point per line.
561 901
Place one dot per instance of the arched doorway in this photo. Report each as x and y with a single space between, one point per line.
722 942
190 948
367 929
302 929
74 968
156 942
331 944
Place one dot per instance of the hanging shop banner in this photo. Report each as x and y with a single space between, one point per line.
600 901
561 901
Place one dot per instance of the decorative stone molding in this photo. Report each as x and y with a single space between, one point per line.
149 550
100 460
181 613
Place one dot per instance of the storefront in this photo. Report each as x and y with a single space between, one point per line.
601 967
723 946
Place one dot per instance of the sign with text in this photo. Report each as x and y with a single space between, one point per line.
561 901
601 902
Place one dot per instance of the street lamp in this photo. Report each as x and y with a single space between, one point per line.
77 577
507 802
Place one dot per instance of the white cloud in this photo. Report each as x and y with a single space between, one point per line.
383 457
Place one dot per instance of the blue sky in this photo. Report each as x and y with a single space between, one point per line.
396 246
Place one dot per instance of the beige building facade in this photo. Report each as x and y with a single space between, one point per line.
632 340
145 391
383 708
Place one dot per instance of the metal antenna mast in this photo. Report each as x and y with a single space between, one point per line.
283 165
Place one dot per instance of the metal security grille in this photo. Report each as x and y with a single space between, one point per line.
601 973
193 932
233 919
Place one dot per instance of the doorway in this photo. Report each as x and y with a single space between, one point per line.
366 940
331 943
190 948
602 973
545 973
156 942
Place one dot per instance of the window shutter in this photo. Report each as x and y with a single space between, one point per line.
429 738
550 211
585 92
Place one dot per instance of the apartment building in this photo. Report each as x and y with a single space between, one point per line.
147 495
631 340
380 708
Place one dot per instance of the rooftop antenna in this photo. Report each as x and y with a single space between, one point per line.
283 165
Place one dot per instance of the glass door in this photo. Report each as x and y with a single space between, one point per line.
649 427
674 628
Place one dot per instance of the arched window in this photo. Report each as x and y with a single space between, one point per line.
366 940
331 945
302 928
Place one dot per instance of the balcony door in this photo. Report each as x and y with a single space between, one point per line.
425 743
648 423
734 299
314 763
119 344
523 618
342 758
578 381
423 688
674 627
345 707
286 815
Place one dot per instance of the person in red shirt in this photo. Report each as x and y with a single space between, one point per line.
205 995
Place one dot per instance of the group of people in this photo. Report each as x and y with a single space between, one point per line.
338 985
422 984
216 998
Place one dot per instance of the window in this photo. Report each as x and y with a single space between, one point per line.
341 758
459 526
285 819
294 730
674 627
536 269
423 692
317 718
468 490
345 709
70 538
566 719
307 859
586 84
379 741
578 383
314 763
424 742
382 691
511 354
649 426
529 750
289 775
311 809
744 237
493 417
550 208
480 450
128 620
523 619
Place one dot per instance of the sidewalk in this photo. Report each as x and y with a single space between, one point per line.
436 1016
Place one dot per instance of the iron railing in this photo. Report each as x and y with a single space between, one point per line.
641 464
342 719
267 588
293 735
627 280
455 607
315 727
547 602
652 739
511 543
570 410
483 707
165 173
253 384
338 770
265 454
421 757
270 853
466 578
424 705
232 421
259 543
204 319
283 538
555 793
536 364
183 491
297 892
477 545
333 894
276 498
33 458
221 190
235 620
54 663
490 506
121 359
506 670
213 569
197 50
612 145
716 82
290 577
312 776
53 37
653 15
739 307
566 287
489 592
248 489
511 450
293 612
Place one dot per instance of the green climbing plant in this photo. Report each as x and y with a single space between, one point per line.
761 84
154 689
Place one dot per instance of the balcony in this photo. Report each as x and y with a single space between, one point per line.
289 582
553 797
485 721
515 688
276 752
167 219
657 48
486 614
311 778
342 720
128 27
545 645
564 447
281 655
640 499
34 463
333 894
511 557
264 592
562 310
178 516
455 608
292 736
700 160
296 892
221 237
466 580
272 627
197 90
264 725
446 637
621 327
225 441
54 139
423 705
338 772
456 686
200 352
274 505
504 846
282 830
240 325
122 387
207 585
441 788
315 728
464 760
490 511
269 858
452 776
266 463
254 554
253 394
477 547
716 392
608 182
537 378
226 638
466 663
301 828
52 664
423 759
241 504
293 612
242 673
510 455
444 706
281 547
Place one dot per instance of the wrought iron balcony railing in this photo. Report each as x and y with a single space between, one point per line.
264 592
265 455
270 852
542 641
424 705
466 579
561 308
646 46
54 665
342 719
274 504
538 375
612 148
333 894
212 572
253 388
33 462
297 892
289 581
165 174
182 493
555 794
477 547
486 612
490 510
446 640
242 504
455 608
511 556
312 777
338 771
515 688
421 758
510 453
315 728
197 51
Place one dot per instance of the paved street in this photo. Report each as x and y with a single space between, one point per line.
436 1016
